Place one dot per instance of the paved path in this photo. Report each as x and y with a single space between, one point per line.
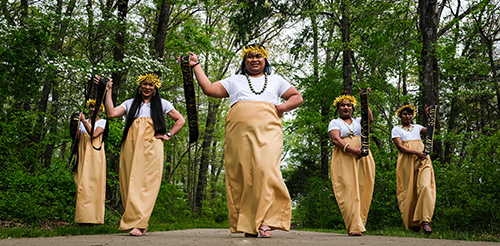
222 237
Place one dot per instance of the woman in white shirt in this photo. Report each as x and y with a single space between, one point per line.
90 174
258 200
141 154
416 188
353 178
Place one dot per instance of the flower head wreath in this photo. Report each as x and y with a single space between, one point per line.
406 105
153 77
345 97
254 49
92 102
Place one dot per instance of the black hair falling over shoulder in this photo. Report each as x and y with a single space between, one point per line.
156 113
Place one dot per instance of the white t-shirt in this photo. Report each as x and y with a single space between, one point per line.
398 132
239 90
341 125
145 109
100 123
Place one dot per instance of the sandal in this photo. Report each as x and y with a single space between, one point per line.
426 226
251 235
267 232
355 234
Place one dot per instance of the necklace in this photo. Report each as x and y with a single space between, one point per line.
351 131
409 129
251 87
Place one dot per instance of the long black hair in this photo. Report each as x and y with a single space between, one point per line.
243 68
156 113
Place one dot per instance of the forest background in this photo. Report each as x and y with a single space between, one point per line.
425 52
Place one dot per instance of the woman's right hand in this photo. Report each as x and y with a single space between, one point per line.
356 151
109 85
420 155
193 59
82 117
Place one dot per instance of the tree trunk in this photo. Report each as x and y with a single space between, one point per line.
205 151
118 75
52 126
345 26
429 23
161 30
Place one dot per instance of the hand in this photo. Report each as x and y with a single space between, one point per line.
357 151
82 117
164 137
368 89
280 111
193 59
420 155
109 85
96 79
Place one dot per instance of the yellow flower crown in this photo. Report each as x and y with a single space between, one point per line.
254 49
345 97
92 102
406 106
149 76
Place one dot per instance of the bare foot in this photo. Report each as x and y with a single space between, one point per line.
138 232
265 231
355 234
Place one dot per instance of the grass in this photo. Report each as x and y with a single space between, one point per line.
74 230
436 234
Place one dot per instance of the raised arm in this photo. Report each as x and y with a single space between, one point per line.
370 115
210 89
111 111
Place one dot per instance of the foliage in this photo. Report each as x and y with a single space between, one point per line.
318 209
170 205
34 198
468 194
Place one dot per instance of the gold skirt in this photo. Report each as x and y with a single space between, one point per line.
416 187
90 180
353 180
141 167
256 192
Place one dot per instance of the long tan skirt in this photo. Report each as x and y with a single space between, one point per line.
90 181
256 192
141 166
353 180
416 187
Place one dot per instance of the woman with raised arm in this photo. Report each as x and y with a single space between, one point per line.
416 188
257 197
141 154
353 177
90 173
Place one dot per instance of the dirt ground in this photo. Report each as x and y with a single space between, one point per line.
222 237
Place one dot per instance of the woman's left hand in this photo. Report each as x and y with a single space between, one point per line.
359 91
164 137
280 111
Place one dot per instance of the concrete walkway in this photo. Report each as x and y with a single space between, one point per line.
222 237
